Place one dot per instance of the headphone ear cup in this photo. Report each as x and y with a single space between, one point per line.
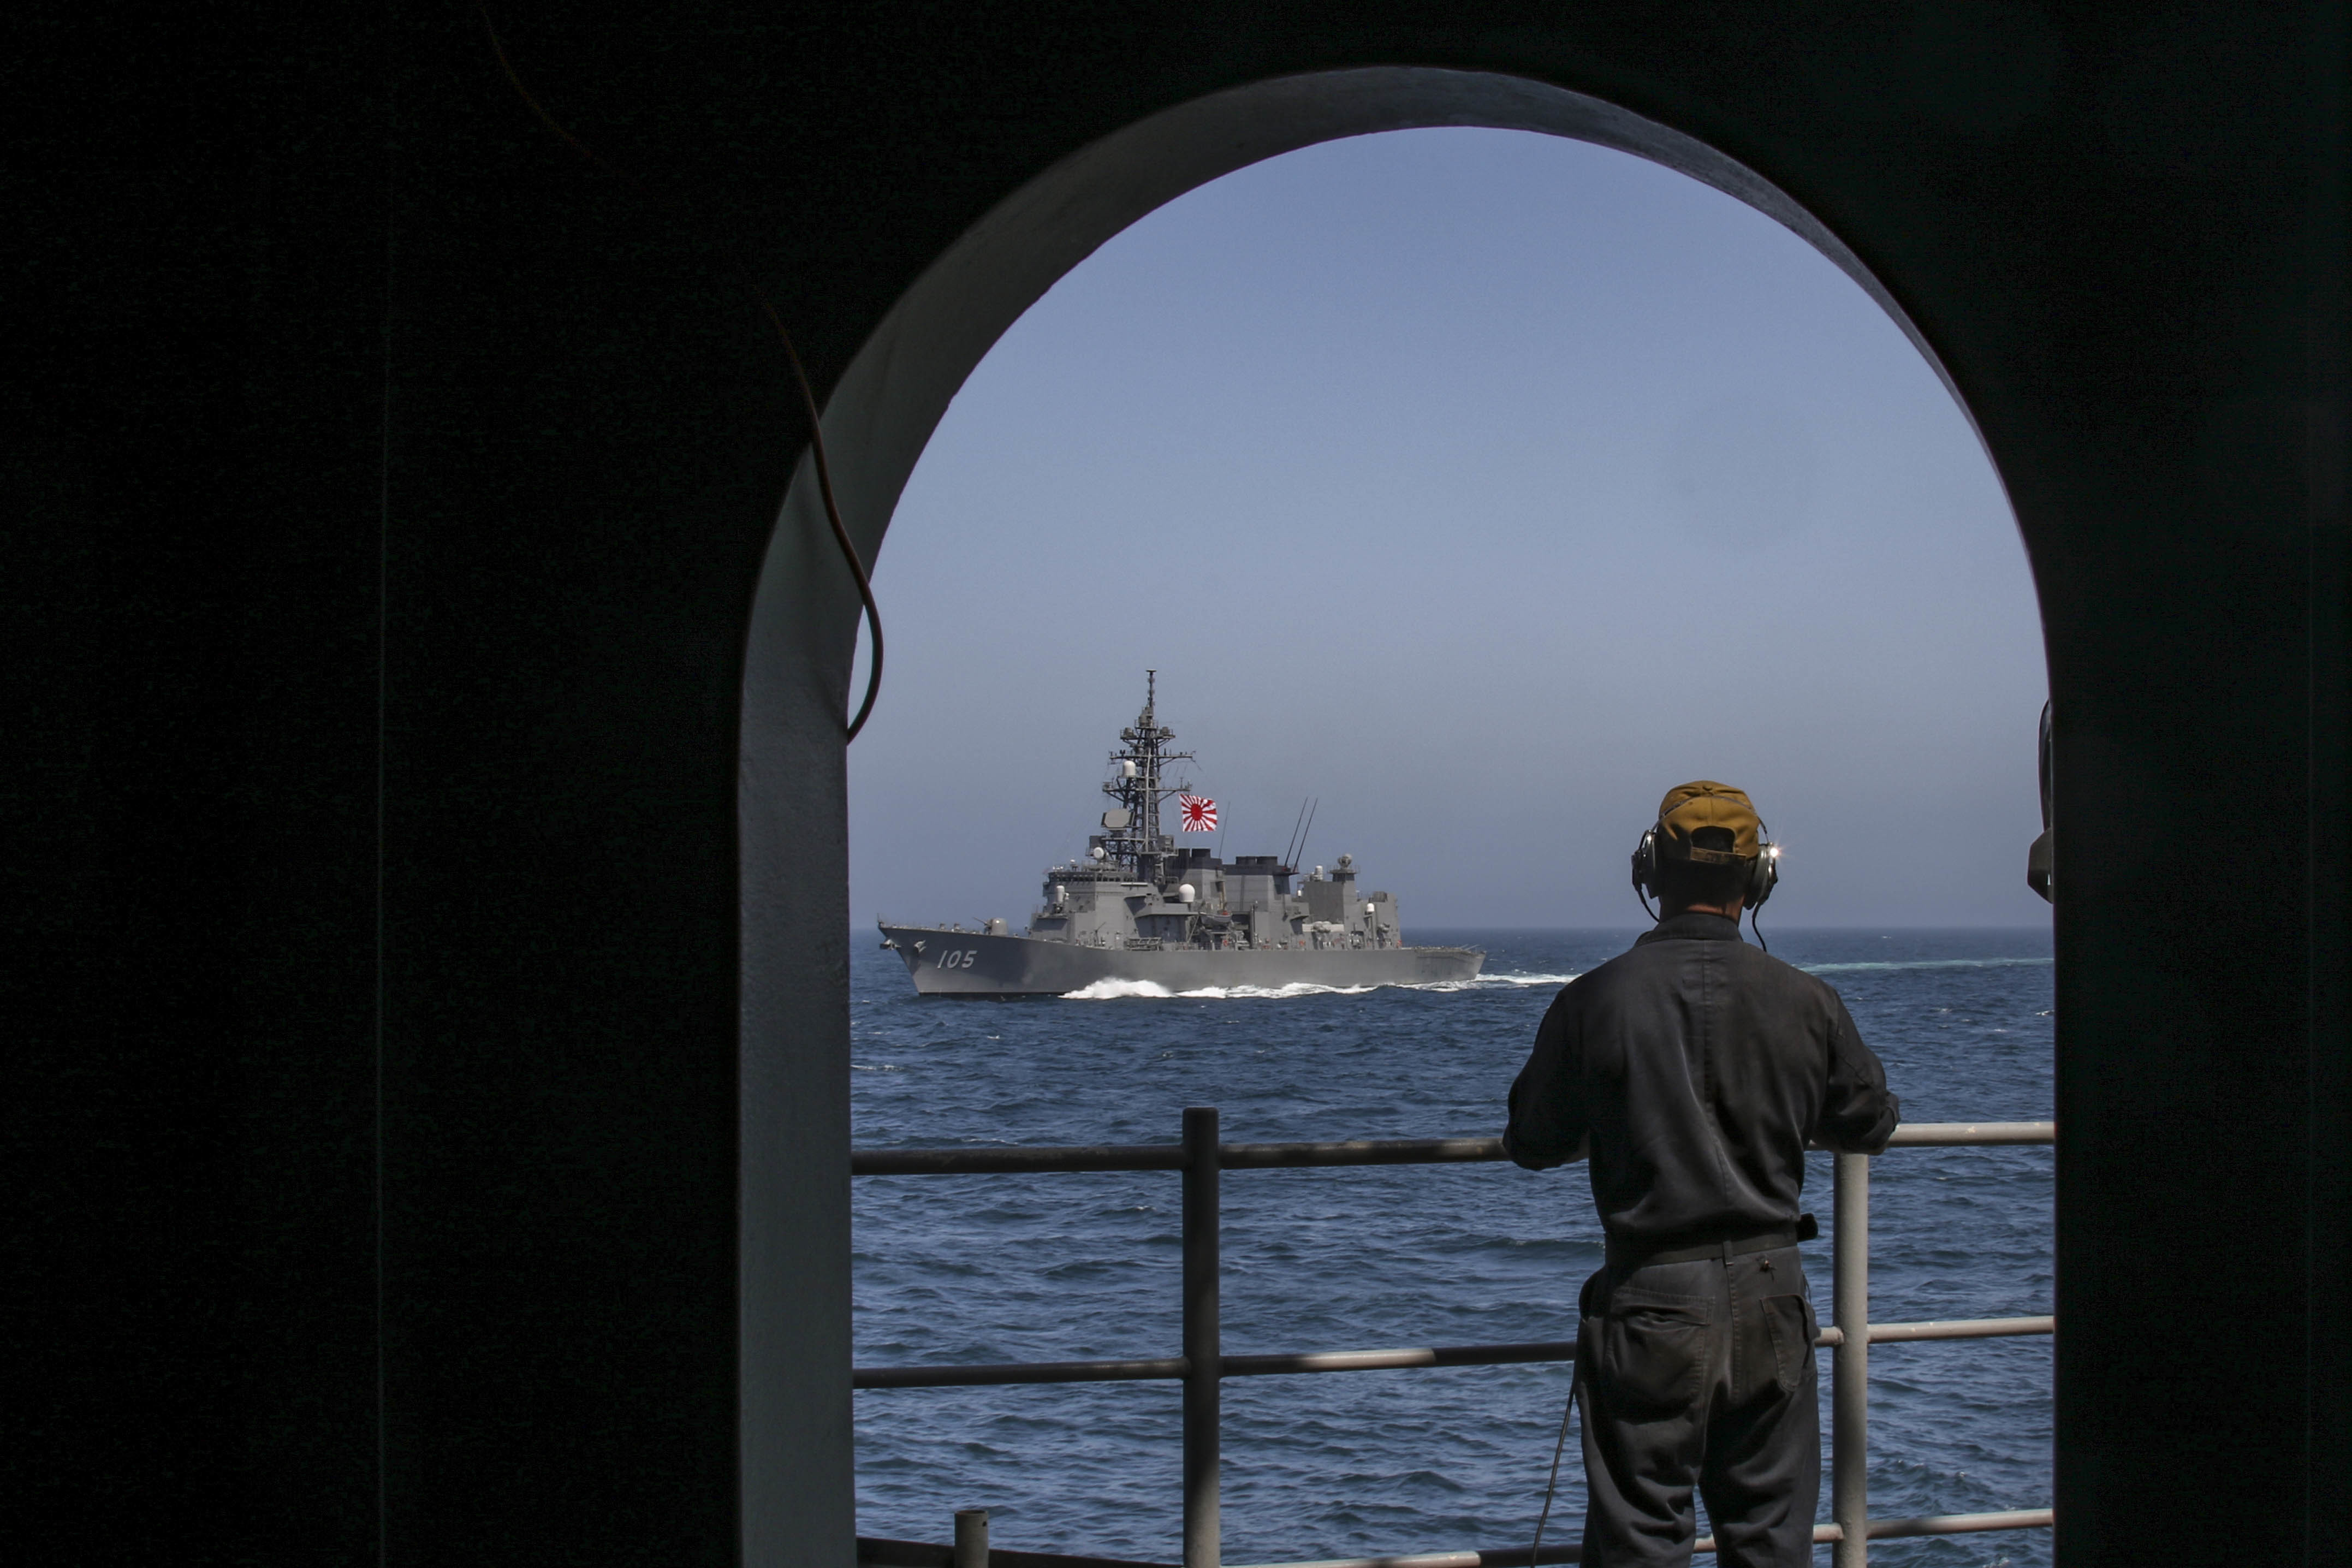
1645 863
1763 876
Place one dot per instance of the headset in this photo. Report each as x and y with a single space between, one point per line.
1763 873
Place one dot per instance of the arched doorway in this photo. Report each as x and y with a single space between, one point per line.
793 1213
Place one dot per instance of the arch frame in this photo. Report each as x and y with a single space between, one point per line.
793 1245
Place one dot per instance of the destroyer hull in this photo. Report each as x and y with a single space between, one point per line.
974 963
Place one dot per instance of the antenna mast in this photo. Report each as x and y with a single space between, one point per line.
1136 844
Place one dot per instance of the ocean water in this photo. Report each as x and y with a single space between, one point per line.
1066 1267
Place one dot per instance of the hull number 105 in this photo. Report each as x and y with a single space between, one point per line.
957 958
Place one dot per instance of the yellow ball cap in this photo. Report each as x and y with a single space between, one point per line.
1706 803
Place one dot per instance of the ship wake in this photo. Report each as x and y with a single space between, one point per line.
1923 964
1129 990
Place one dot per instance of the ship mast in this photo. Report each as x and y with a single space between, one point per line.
1132 829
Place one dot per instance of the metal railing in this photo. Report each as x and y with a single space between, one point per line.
1203 1365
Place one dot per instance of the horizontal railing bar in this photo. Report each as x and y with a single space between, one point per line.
1960 1134
879 1553
1360 1152
976 1376
1952 1524
1945 1329
885 1553
1504 1557
1962 1329
1002 1160
1532 1353
1527 1353
1518 1557
1141 1370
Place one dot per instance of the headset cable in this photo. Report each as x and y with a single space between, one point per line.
792 355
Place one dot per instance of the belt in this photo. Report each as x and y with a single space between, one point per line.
1624 1256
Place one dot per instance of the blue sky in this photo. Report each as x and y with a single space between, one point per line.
1485 485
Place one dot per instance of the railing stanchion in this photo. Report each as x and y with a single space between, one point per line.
971 1538
1850 1393
1203 1342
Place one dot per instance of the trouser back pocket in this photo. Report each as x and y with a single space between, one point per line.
1651 1353
1790 1320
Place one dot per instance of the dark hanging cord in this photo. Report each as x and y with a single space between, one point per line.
1756 929
1558 1446
1644 899
792 355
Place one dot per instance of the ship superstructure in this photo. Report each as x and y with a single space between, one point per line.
1139 908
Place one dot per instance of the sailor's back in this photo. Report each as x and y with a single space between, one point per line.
1692 1070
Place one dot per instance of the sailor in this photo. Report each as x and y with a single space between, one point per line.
1689 1072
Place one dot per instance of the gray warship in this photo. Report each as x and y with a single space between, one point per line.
1140 911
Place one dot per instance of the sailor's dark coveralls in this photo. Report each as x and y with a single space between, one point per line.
1690 1071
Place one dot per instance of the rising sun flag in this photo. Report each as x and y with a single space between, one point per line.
1200 815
